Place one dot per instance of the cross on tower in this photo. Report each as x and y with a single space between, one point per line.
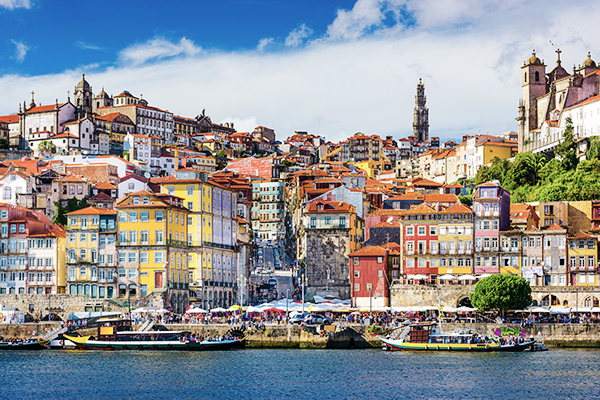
558 53
32 93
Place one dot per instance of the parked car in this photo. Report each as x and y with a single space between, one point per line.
316 319
298 318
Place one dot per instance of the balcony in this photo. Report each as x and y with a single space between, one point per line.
572 268
514 249
434 252
442 251
451 251
410 252
505 249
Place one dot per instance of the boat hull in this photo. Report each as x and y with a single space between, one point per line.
22 346
396 345
171 345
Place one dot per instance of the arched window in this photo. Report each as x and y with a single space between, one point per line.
565 303
537 76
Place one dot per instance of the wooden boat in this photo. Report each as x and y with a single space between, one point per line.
428 337
37 345
116 335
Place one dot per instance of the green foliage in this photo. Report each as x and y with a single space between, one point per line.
47 145
3 143
287 163
222 154
466 200
566 151
501 292
72 205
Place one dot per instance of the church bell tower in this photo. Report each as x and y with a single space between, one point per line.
421 115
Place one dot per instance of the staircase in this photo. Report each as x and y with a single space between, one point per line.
54 334
146 326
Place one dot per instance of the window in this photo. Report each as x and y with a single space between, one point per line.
410 231
93 237
356 273
422 230
131 257
158 257
190 190
369 287
159 215
143 257
132 237
379 260
159 237
357 287
122 216
433 230
144 216
132 216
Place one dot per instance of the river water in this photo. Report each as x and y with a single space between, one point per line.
298 374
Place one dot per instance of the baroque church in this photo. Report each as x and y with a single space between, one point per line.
549 98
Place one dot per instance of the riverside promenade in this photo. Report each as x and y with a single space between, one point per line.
347 336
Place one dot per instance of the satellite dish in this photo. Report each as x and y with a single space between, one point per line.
146 174
390 219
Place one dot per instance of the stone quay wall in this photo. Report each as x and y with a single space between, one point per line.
348 337
38 306
452 295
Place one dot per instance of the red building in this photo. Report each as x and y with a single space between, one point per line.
265 167
369 277
419 242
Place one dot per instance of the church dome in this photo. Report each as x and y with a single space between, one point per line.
83 83
589 63
533 60
103 94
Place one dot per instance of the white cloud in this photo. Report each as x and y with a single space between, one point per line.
12 4
296 36
264 43
156 49
365 15
21 50
87 46
364 80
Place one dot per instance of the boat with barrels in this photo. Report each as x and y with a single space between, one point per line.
116 334
428 337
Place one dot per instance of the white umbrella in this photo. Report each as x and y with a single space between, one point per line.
483 276
448 309
465 309
417 277
196 311
466 278
446 277
218 309
538 310
254 309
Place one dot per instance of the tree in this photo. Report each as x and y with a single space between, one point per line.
287 163
48 146
566 151
72 205
501 292
3 143
466 200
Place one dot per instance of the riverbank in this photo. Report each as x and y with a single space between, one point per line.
347 337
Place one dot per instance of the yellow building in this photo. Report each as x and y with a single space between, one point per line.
582 255
91 252
455 240
46 266
153 247
370 167
212 235
510 251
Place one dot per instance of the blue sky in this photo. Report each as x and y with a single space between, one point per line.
330 67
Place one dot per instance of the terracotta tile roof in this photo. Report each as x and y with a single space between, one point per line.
420 209
556 227
101 197
369 251
580 235
49 232
64 135
93 211
49 107
330 206
73 178
458 209
9 119
385 224
105 185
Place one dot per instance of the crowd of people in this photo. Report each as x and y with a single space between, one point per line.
15 340
196 338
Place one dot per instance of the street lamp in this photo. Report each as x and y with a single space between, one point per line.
371 302
302 293
287 302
